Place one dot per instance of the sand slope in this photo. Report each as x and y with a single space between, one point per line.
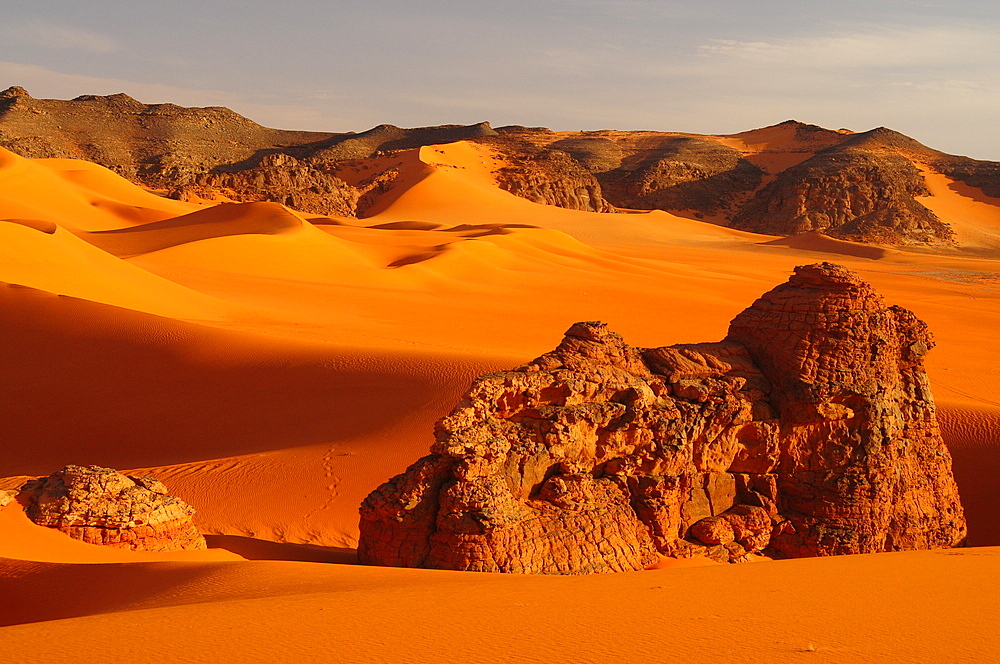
889 607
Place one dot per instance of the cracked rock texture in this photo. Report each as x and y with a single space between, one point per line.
101 506
809 430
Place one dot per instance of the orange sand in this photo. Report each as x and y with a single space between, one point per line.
272 368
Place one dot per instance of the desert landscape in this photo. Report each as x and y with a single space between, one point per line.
270 323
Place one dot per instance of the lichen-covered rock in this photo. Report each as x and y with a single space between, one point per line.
810 430
101 506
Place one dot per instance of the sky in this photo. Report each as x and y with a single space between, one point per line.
927 68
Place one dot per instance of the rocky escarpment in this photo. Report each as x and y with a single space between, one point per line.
860 190
153 143
101 506
809 430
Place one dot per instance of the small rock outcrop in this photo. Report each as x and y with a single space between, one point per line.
809 430
102 506
14 91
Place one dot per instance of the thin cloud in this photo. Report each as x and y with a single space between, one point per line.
939 46
53 35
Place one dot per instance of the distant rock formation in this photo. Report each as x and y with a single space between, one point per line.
551 177
809 430
685 173
861 187
278 178
862 190
101 506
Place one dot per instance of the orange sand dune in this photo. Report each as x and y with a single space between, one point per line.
77 195
829 245
220 220
237 418
272 369
904 607
974 216
59 262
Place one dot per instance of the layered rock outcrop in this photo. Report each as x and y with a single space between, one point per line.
809 430
101 506
551 177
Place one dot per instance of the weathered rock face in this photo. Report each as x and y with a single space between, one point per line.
850 193
551 177
685 173
810 430
101 506
282 179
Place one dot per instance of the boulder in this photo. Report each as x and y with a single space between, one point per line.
101 506
809 430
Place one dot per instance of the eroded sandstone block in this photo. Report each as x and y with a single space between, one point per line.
809 430
101 506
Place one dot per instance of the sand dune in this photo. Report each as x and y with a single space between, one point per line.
77 195
784 611
974 216
220 220
41 255
273 368
828 245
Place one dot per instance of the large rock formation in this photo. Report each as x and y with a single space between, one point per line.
101 506
684 174
809 430
864 190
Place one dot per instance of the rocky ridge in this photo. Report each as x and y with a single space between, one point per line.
809 430
101 506
861 187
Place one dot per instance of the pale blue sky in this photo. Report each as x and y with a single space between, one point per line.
929 68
